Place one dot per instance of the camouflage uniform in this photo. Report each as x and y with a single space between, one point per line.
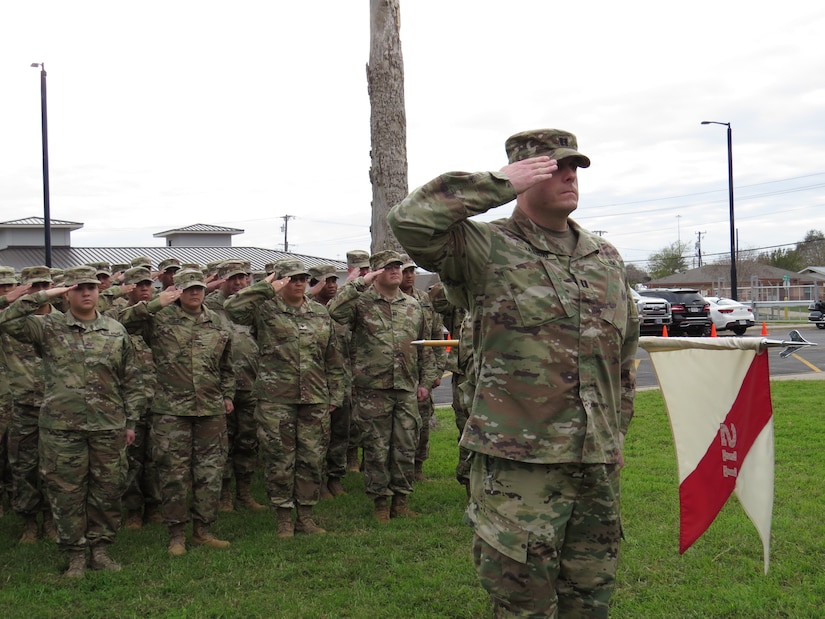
93 391
8 280
554 339
387 372
242 429
300 375
193 357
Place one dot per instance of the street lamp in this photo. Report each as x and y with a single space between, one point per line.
733 283
47 226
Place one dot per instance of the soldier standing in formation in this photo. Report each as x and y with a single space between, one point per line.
196 386
554 337
93 396
390 377
300 383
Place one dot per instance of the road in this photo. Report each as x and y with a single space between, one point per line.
807 363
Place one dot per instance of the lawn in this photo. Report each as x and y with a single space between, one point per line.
422 567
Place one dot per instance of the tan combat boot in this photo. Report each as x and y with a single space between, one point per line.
352 460
134 520
335 487
77 564
305 523
285 526
153 515
29 535
244 496
201 536
382 511
177 540
101 560
49 528
225 504
399 507
419 471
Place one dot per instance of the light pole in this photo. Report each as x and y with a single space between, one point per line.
733 286
47 225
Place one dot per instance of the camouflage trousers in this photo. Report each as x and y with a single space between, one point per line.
242 432
339 431
142 482
425 411
85 474
546 536
355 440
293 440
5 419
462 414
190 453
390 425
28 493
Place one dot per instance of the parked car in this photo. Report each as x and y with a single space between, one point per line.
654 314
817 315
689 309
728 314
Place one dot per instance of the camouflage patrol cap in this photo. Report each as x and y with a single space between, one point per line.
358 259
554 143
322 271
191 265
142 261
269 268
101 268
85 274
186 278
7 276
384 258
121 267
231 268
291 267
169 263
212 266
136 275
406 262
36 275
276 267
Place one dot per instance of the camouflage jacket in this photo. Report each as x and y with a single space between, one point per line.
554 336
144 356
25 370
193 358
92 379
244 347
381 351
300 359
433 329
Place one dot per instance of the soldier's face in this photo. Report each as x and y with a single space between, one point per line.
83 299
235 284
5 289
167 278
105 281
141 292
391 276
557 195
191 299
293 292
331 287
408 278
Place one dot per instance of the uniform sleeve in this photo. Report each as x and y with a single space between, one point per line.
432 223
228 382
628 375
242 307
335 368
132 387
342 308
25 330
137 317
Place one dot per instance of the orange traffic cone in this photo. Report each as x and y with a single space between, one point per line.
447 348
764 328
713 330
664 330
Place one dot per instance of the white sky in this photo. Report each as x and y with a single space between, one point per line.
166 114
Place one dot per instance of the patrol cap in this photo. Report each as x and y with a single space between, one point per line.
169 263
191 265
186 278
121 267
101 268
276 267
381 259
142 261
270 267
292 267
554 143
212 266
406 262
7 276
80 275
230 268
323 271
136 275
36 275
358 259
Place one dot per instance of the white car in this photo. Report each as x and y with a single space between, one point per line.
728 314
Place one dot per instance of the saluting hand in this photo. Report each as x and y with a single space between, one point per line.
169 296
370 277
529 172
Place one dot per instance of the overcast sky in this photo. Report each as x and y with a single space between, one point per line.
166 114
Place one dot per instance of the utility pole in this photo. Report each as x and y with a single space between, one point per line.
284 228
699 246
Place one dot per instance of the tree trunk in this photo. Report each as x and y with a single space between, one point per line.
388 120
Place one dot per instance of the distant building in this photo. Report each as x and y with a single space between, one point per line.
199 235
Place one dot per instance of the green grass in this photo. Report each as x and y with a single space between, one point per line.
423 567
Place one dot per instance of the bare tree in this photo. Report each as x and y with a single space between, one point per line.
388 119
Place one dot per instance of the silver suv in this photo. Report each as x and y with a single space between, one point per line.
654 314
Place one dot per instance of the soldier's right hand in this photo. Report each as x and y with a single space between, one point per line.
529 172
370 277
169 296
